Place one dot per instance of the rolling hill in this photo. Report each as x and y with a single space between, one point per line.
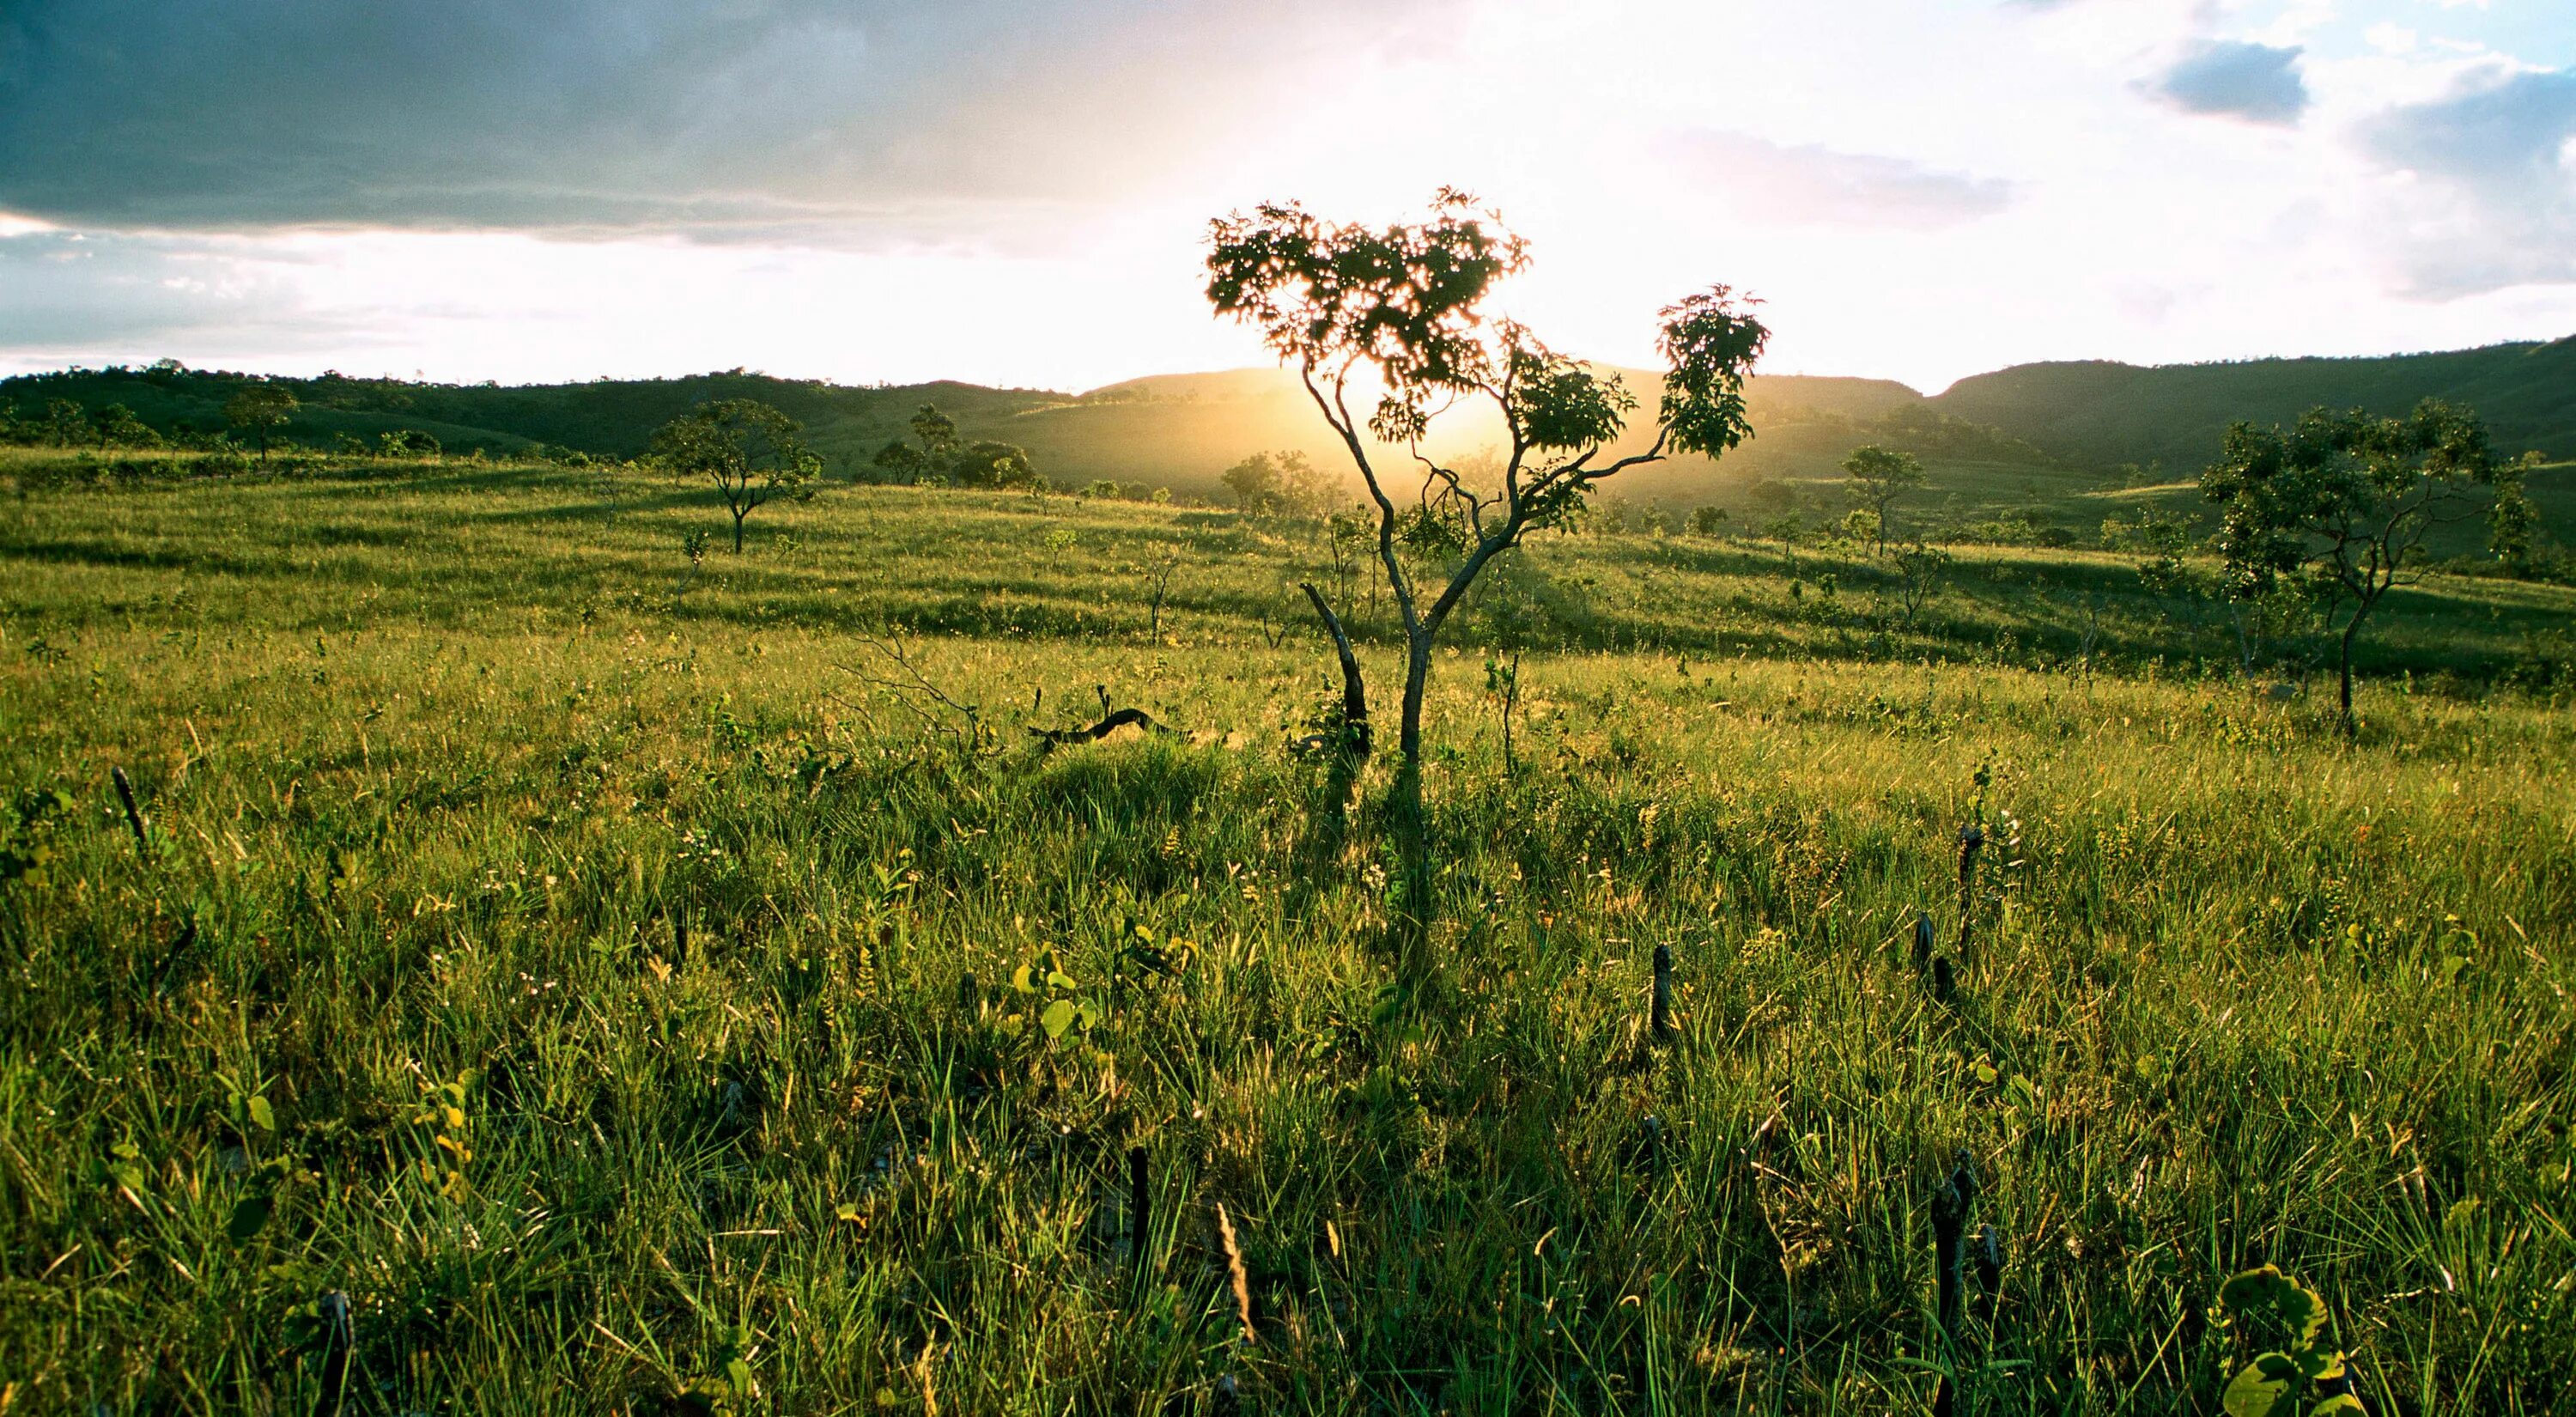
2103 414
2029 435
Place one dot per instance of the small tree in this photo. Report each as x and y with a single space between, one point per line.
408 443
65 423
117 427
1278 482
260 410
1405 303
1878 477
752 453
2343 502
1918 574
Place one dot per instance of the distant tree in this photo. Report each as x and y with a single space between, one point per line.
65 423
1918 574
752 453
939 453
117 427
1404 302
1785 529
260 410
1878 476
408 443
2343 502
936 430
1708 521
1278 482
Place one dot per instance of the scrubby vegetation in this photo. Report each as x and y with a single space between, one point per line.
544 969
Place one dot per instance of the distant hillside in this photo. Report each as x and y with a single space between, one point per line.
2040 431
2103 414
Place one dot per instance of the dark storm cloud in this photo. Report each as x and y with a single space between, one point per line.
1816 185
2255 82
2494 161
726 114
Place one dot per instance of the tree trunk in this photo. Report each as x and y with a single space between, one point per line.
737 532
2351 730
1412 826
1355 719
1417 678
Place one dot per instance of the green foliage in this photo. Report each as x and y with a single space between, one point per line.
117 427
1878 477
1405 302
26 832
1283 481
2281 1382
941 459
2346 502
260 410
750 451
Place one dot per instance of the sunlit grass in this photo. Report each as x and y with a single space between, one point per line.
442 769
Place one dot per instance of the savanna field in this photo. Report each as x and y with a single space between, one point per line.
635 981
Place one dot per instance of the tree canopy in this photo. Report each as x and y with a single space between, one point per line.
936 453
1878 477
1407 303
260 410
750 451
2342 503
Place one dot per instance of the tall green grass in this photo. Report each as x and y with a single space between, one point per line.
465 791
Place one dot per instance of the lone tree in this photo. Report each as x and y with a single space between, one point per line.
752 453
1878 477
260 410
1403 305
2343 503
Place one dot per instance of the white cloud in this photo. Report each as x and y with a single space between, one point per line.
1919 190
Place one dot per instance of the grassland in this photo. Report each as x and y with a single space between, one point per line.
585 962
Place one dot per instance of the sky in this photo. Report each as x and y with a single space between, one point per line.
1017 192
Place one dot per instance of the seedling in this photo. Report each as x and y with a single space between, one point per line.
1049 990
2306 1375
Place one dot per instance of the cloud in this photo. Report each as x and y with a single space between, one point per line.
2492 199
2233 79
746 115
1818 186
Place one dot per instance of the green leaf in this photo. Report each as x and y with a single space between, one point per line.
262 1115
2269 1290
2339 1403
250 1214
2261 1389
1024 980
1057 1018
738 1373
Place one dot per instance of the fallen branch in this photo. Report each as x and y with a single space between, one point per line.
1117 719
1111 720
